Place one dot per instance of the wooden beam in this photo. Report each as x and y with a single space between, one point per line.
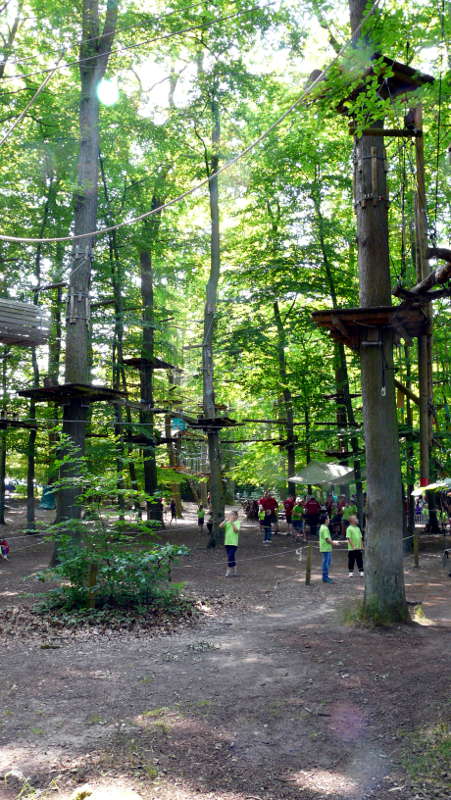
407 132
407 392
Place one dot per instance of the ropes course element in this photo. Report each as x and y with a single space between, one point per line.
188 192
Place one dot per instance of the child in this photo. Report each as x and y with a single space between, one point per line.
232 531
297 519
355 545
201 516
261 517
267 538
173 510
325 547
4 547
210 520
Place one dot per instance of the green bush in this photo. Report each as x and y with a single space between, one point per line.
99 577
104 561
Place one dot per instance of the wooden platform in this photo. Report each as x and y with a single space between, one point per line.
215 423
395 79
64 393
6 422
139 362
353 325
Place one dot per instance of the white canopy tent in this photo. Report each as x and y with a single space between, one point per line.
318 473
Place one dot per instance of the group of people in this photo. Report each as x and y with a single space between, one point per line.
302 513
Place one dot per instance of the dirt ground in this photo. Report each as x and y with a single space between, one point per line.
269 696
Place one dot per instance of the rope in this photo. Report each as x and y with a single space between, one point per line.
118 50
206 181
118 29
29 104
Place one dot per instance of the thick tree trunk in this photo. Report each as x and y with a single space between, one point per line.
209 404
384 576
94 51
287 405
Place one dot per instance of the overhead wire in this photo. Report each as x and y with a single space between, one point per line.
118 29
23 113
188 192
136 45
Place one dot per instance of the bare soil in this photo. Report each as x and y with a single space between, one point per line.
268 696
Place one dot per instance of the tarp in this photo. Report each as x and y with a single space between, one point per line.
319 473
431 487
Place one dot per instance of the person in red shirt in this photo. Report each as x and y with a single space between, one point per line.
312 512
288 505
269 503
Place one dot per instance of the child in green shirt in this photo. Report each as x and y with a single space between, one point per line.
355 545
201 516
325 547
231 527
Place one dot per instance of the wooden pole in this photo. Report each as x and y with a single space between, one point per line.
416 550
421 269
425 341
308 565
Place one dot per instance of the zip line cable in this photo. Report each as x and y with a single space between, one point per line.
136 45
118 29
305 93
29 104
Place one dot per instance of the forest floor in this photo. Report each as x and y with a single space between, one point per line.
269 695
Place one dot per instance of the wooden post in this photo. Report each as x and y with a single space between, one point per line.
92 580
308 565
416 550
425 341
422 270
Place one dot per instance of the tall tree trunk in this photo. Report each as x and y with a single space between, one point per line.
384 576
94 51
3 434
146 377
209 404
287 405
345 411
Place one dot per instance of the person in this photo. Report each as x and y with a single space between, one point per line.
270 502
348 511
298 519
325 547
201 516
231 526
261 517
355 546
210 520
173 509
312 512
4 548
267 527
288 505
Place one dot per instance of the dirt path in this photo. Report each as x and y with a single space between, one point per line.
271 696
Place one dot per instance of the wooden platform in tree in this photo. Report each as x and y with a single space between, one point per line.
6 422
216 423
64 393
339 454
139 362
353 325
340 395
394 79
